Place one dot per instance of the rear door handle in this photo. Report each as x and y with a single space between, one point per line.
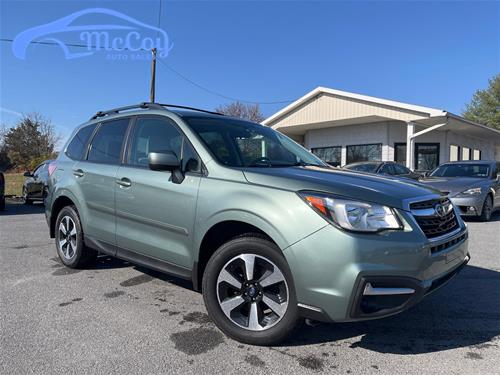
124 182
78 173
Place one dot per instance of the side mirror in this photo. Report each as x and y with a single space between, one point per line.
27 174
163 161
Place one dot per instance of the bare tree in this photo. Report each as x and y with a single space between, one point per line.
250 112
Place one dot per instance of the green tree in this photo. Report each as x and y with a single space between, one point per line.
484 107
250 112
30 141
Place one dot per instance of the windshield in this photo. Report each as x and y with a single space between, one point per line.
370 168
238 143
462 170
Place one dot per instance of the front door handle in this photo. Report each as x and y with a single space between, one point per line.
78 173
124 182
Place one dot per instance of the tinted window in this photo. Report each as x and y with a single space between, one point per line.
372 152
426 156
400 153
387 169
399 169
107 143
332 155
154 135
238 143
78 145
462 170
368 167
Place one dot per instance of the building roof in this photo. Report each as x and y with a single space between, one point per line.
324 107
349 95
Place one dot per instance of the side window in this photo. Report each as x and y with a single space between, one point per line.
78 145
400 169
154 135
38 170
107 143
387 169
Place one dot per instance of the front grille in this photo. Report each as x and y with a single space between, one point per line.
430 222
446 245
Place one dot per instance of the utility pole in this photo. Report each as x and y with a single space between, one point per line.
153 76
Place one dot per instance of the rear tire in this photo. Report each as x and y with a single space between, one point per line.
487 209
257 307
69 240
2 203
26 200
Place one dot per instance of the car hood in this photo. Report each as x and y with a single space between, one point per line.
355 185
453 185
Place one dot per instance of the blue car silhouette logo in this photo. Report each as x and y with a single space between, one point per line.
97 37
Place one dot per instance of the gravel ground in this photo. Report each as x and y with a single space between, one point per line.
118 318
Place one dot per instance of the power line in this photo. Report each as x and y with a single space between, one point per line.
185 78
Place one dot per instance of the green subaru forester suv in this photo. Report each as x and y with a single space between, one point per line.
269 233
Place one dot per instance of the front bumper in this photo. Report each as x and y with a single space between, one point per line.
332 268
469 206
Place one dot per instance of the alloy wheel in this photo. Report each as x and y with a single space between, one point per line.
252 292
67 237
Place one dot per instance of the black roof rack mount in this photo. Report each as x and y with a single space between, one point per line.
146 105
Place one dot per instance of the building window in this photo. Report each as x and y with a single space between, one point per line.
465 153
331 155
426 156
477 155
370 152
454 153
400 153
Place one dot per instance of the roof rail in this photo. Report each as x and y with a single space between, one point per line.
143 105
148 105
191 109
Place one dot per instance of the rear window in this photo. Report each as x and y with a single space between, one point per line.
370 168
78 145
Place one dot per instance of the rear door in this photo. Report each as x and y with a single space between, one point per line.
96 178
155 216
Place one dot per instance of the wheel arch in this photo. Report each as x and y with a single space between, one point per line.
223 231
63 200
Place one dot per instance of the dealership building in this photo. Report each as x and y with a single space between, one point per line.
343 127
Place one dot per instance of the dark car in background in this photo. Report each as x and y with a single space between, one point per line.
473 186
35 185
389 168
2 191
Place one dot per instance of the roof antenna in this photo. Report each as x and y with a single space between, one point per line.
153 76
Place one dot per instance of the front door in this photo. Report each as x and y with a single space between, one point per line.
426 156
154 215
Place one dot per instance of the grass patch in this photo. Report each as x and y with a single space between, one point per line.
14 184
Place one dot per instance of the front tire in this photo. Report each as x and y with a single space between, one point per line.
487 209
249 293
69 240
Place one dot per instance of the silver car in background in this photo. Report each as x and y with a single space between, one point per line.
473 186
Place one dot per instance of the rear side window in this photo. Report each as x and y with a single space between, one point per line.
107 143
78 145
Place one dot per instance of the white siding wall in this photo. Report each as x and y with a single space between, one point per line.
349 135
444 138
389 133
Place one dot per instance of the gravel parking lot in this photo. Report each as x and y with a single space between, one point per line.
118 318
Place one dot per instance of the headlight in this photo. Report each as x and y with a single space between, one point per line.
474 191
352 215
